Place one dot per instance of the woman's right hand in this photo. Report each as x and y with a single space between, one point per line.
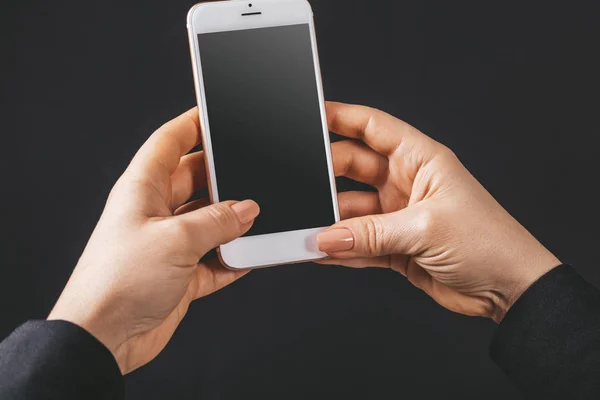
430 219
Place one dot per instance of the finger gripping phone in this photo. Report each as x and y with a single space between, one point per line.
264 128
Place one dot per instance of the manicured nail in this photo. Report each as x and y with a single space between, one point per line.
246 210
334 240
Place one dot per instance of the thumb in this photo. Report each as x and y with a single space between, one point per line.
217 224
400 232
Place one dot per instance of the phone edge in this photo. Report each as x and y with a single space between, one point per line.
322 106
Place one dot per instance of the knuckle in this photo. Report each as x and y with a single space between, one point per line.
222 216
119 187
446 153
175 241
373 122
373 235
374 111
177 228
428 223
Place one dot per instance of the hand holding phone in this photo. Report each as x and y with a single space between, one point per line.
139 271
429 219
264 127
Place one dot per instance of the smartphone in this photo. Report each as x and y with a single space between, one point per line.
264 128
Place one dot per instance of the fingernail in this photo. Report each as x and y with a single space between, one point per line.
246 210
334 240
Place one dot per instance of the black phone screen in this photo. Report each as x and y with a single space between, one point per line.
265 125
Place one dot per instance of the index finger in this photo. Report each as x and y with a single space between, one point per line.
161 153
379 130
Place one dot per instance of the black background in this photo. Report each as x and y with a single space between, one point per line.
264 116
510 87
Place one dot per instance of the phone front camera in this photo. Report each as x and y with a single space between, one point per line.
250 5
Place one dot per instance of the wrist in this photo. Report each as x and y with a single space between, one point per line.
524 273
102 325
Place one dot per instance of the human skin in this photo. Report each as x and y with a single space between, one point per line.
429 218
139 271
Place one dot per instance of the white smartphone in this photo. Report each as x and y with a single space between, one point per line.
264 128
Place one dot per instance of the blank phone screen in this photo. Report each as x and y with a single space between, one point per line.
265 125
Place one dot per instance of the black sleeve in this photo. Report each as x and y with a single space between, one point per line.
549 341
57 360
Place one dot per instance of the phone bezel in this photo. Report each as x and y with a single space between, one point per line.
275 248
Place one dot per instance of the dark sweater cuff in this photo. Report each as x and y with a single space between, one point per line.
48 358
544 340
